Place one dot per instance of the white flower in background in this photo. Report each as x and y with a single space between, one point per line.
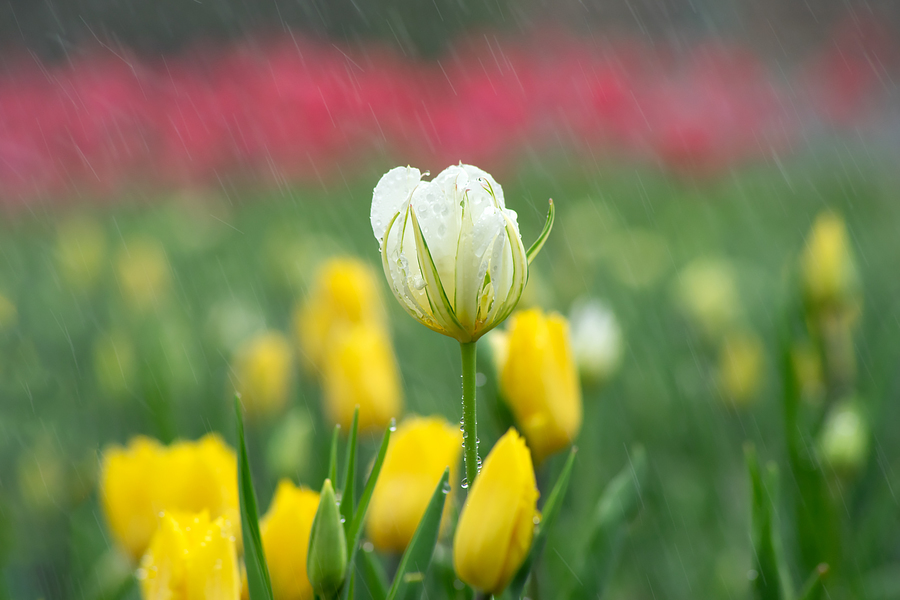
451 250
596 339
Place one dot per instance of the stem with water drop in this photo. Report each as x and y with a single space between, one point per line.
470 434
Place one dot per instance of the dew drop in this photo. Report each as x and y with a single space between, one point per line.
464 484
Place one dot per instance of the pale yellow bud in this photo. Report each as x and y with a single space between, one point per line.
263 374
741 365
143 273
829 271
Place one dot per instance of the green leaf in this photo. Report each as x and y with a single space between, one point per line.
258 582
768 584
545 233
347 491
815 585
372 572
354 533
410 576
333 455
618 506
550 511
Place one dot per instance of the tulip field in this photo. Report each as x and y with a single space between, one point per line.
289 366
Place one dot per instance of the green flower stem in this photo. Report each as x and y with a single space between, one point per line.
470 433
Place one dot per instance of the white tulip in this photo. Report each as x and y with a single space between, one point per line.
596 339
451 250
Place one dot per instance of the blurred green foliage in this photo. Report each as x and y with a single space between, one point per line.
81 368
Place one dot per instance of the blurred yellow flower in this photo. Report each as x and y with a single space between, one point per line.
80 251
496 526
360 369
539 380
143 272
8 313
706 291
419 451
191 558
741 363
262 373
146 478
807 366
829 272
285 536
345 292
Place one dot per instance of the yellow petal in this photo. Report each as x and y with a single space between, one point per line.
285 537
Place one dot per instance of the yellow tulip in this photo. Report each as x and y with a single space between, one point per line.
143 273
741 364
191 557
496 526
345 292
360 369
285 537
263 373
146 478
419 451
829 272
539 381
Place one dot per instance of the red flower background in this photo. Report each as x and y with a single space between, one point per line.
298 109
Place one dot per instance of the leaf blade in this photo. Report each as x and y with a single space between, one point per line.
347 491
258 582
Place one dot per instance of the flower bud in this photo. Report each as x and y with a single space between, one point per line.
191 557
844 440
539 381
741 366
496 526
263 374
326 562
143 273
596 340
829 272
418 453
360 370
451 250
285 531
144 479
345 292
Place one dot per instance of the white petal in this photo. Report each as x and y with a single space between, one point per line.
390 195
439 216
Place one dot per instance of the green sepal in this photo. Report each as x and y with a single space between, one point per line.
409 579
545 233
258 582
550 511
347 491
618 506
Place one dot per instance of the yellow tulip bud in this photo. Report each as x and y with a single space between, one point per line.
539 381
740 366
143 273
419 451
360 369
145 478
191 558
829 272
345 292
496 526
263 374
80 252
285 536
